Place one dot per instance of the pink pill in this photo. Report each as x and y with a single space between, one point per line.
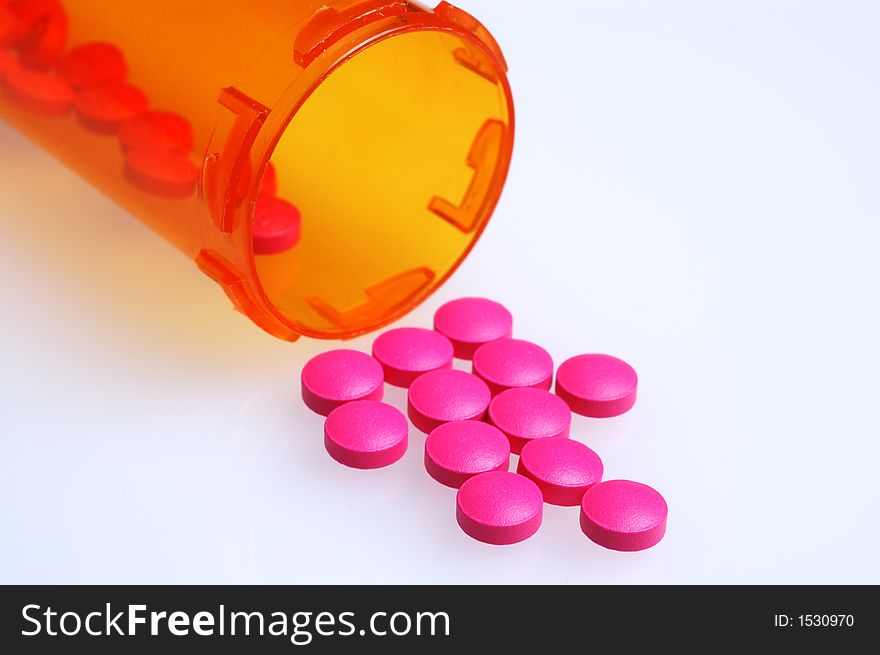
277 225
366 434
499 507
340 376
507 363
526 413
446 395
459 450
562 468
407 353
471 322
623 515
599 386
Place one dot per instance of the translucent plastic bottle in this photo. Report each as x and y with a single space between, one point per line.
388 125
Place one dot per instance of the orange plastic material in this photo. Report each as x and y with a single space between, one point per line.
388 127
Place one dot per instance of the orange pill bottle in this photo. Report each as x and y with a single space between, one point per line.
388 125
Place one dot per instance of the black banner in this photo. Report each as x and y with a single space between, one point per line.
428 619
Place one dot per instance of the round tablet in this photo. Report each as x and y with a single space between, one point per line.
562 468
366 434
167 174
446 395
103 108
157 130
276 227
93 64
599 386
623 515
406 353
459 450
470 322
508 363
526 413
499 507
39 93
336 377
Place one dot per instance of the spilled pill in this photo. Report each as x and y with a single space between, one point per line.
335 377
562 468
366 434
470 322
475 421
507 363
408 352
599 386
499 507
623 515
446 395
459 450
526 413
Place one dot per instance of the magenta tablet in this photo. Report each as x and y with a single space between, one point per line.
446 395
408 352
366 434
276 225
562 468
599 386
471 322
459 450
526 413
508 363
340 376
623 515
499 507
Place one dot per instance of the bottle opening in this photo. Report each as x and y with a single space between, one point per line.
394 163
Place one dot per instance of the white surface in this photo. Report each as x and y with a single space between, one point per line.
694 189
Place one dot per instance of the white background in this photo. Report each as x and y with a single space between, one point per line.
694 189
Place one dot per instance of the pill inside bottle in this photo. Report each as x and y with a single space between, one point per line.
384 131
